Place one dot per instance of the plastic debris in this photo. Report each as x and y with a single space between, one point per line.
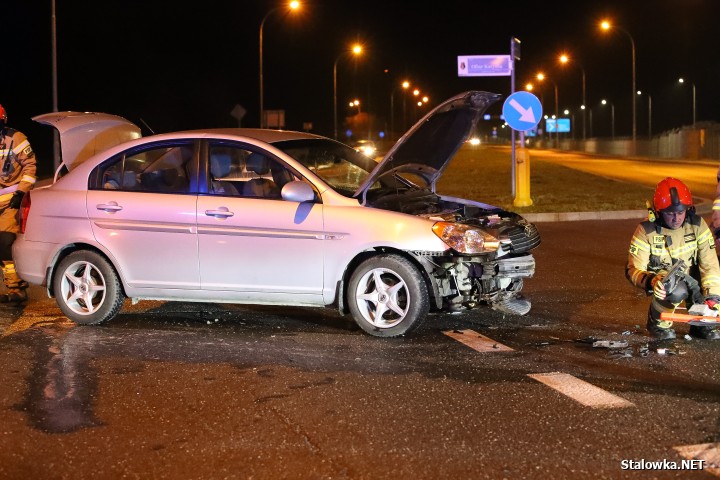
590 340
662 351
627 353
610 344
688 337
626 332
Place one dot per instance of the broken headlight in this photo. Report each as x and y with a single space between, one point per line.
465 238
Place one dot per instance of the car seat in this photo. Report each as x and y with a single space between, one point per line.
220 165
259 187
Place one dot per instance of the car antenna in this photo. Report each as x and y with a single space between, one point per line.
147 126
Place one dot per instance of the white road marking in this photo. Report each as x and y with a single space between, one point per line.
476 341
708 452
581 391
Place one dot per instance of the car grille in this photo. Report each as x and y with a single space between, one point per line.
523 237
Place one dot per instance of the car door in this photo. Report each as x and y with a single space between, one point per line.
250 239
141 204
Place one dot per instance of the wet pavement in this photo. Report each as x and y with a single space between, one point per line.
181 390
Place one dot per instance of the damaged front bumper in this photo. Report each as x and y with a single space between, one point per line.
464 282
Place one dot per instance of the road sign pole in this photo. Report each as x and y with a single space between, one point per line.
512 131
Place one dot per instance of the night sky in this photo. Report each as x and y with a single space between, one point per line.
185 67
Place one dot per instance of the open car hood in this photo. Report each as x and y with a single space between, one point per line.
426 149
83 134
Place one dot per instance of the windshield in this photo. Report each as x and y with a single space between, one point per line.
340 166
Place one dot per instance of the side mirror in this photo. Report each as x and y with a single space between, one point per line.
297 191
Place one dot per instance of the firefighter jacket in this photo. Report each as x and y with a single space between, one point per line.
654 249
17 165
715 222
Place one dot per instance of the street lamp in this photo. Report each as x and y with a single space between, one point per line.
294 5
564 59
541 77
612 116
649 113
605 25
355 50
682 80
404 85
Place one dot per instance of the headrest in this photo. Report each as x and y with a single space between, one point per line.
220 164
257 163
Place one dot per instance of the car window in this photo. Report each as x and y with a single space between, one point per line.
340 166
237 171
159 168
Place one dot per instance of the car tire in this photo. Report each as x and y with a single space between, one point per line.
87 289
387 296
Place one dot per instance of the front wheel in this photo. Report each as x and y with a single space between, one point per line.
87 289
387 296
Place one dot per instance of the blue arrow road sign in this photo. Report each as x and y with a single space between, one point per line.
522 111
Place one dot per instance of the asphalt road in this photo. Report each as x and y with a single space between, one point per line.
207 391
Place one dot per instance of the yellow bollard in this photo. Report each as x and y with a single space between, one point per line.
522 178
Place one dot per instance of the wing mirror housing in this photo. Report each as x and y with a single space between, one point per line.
297 191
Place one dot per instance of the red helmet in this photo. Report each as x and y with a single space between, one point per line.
3 114
672 195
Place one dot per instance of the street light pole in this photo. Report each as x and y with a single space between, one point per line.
356 50
606 26
682 80
612 117
56 139
404 85
542 77
294 5
565 59
649 113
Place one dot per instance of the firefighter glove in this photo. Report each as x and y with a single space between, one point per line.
713 301
16 200
658 287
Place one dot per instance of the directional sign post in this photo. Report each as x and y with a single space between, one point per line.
522 112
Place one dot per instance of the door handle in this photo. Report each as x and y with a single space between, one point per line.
221 212
109 207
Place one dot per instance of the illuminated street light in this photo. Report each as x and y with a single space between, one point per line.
682 80
564 59
605 25
612 116
541 77
294 5
355 50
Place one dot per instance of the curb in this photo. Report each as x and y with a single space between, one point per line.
577 216
703 206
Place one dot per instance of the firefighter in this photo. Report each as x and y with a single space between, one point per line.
17 176
715 221
674 232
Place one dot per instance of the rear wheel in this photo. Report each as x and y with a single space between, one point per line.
387 296
87 289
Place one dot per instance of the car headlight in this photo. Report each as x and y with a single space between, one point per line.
465 238
369 151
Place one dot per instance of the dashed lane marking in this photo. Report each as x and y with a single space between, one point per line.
476 341
580 390
709 453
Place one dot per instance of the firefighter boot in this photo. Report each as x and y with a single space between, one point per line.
16 287
661 330
705 333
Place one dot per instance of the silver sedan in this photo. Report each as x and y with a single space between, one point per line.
270 217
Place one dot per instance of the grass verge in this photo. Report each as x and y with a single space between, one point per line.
485 174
